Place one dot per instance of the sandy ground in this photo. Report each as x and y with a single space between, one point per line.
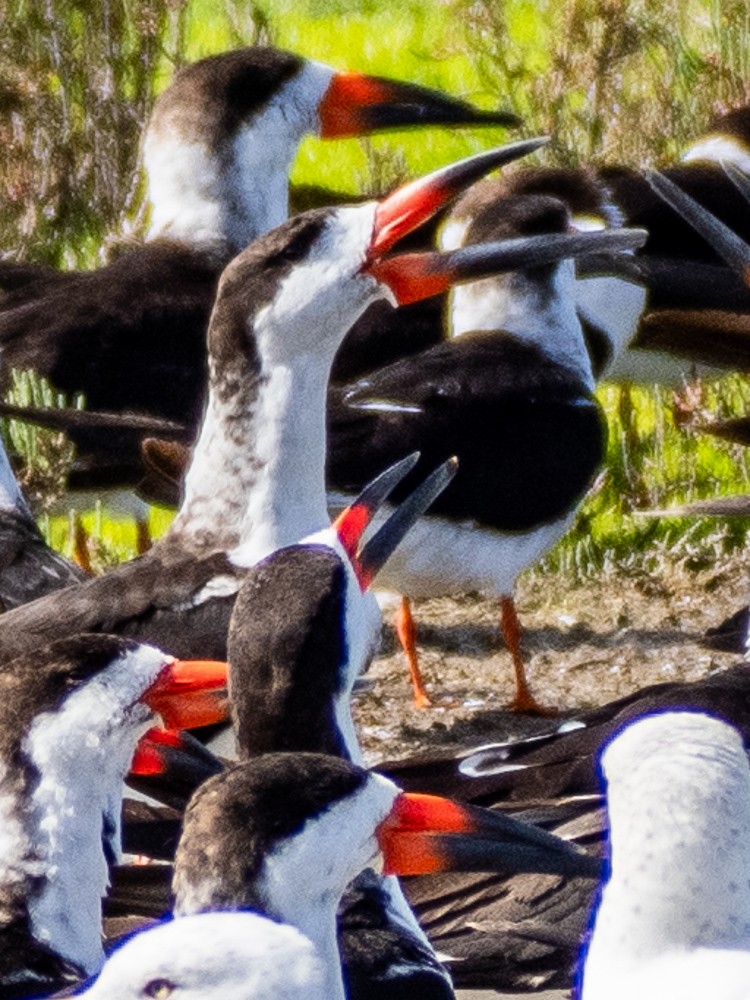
585 645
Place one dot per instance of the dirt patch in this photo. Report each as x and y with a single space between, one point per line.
585 645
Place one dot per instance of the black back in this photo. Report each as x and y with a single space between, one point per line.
525 932
286 651
528 436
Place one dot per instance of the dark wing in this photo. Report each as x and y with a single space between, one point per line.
29 568
528 435
669 234
19 274
563 763
525 932
679 283
130 336
710 336
151 599
29 969
379 956
138 891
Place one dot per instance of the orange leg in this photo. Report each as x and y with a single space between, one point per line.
407 635
143 541
523 701
81 552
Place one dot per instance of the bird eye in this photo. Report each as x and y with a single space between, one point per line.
159 989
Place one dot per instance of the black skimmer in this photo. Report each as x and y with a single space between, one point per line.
214 956
217 151
674 916
253 838
29 568
290 679
256 481
70 719
611 306
303 630
511 394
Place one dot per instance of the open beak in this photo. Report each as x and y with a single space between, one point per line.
352 523
376 552
355 104
425 833
409 206
190 693
720 237
416 276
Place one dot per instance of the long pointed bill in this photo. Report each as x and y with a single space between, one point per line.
384 543
425 833
352 523
190 693
355 104
726 243
412 277
70 418
407 208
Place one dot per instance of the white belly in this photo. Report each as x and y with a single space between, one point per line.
439 557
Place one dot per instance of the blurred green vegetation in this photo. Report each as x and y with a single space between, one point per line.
611 80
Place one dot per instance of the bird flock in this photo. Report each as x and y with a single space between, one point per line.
395 392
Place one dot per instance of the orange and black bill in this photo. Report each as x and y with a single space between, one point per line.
376 552
356 104
727 244
352 523
190 693
169 765
416 276
425 833
409 206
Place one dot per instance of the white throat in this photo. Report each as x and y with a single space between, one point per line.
287 500
225 198
257 478
545 316
343 834
679 806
